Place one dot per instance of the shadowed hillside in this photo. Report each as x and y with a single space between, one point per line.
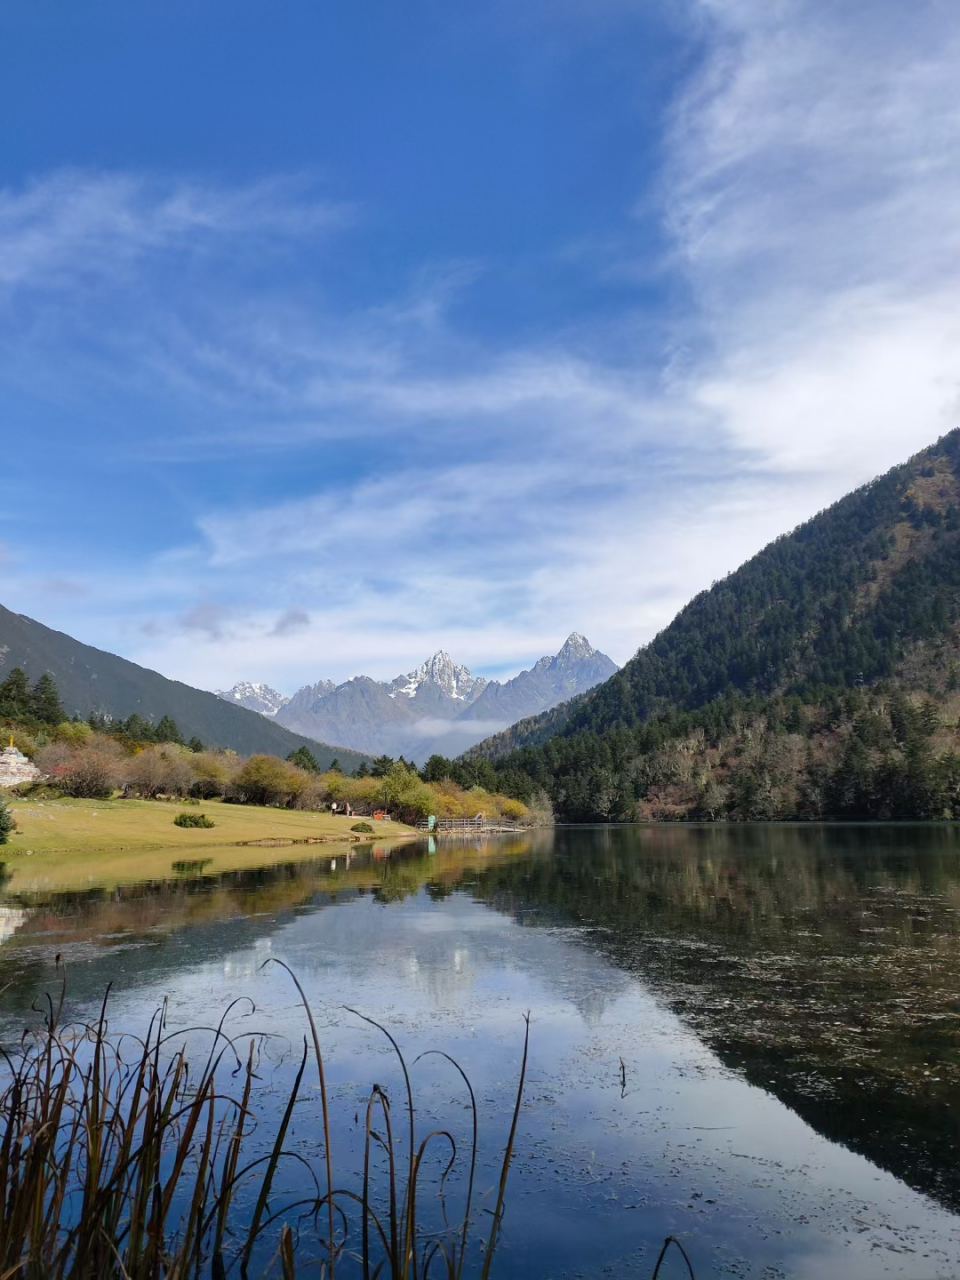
92 681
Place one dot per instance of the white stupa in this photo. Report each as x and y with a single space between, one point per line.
16 768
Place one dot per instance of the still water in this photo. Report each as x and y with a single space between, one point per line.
747 1037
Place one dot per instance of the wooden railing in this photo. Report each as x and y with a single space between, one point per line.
479 823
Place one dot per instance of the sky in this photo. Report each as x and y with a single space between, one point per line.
335 334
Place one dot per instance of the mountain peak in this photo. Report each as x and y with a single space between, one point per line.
576 646
254 696
455 680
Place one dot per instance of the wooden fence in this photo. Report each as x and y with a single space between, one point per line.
479 823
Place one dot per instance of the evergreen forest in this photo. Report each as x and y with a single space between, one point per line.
820 680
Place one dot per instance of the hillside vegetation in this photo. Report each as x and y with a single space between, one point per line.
92 682
106 762
817 681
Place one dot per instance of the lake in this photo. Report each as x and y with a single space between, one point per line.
744 1036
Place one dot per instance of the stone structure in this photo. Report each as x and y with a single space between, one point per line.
16 768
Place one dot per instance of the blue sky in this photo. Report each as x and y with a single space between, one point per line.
334 334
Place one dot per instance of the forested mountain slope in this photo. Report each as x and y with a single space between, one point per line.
863 599
92 681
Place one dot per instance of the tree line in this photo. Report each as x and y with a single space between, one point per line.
102 757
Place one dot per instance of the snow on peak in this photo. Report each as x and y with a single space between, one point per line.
455 680
254 696
576 646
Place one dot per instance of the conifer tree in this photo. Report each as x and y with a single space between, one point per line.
303 758
15 695
45 704
167 731
7 822
137 729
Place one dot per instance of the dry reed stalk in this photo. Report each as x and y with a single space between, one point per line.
125 1166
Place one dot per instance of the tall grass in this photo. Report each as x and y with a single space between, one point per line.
119 1159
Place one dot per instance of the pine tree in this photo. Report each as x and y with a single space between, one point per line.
195 745
436 769
15 695
167 731
7 821
45 704
303 758
137 729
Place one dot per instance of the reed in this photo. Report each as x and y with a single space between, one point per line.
121 1161
118 1158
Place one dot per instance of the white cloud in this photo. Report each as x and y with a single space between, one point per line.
82 225
814 175
494 502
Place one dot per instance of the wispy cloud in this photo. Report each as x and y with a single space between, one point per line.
80 225
492 495
814 167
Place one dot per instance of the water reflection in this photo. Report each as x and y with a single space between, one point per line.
821 962
818 963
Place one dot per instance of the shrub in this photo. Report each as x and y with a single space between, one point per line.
163 770
515 810
73 732
7 821
214 771
23 741
88 772
193 820
271 781
363 827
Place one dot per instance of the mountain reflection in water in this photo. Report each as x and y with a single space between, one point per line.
823 962
819 963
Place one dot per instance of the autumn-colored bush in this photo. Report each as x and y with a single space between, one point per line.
26 742
166 770
84 763
268 780
512 810
214 772
93 770
75 733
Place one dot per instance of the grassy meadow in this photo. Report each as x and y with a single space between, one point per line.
73 843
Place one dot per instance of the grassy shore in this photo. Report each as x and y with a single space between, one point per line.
74 843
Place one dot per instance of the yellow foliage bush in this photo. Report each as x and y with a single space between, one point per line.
73 732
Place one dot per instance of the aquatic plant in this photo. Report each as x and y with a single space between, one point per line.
119 1159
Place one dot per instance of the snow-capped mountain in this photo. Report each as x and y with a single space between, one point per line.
255 697
439 707
455 680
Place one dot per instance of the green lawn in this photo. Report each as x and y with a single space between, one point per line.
72 843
